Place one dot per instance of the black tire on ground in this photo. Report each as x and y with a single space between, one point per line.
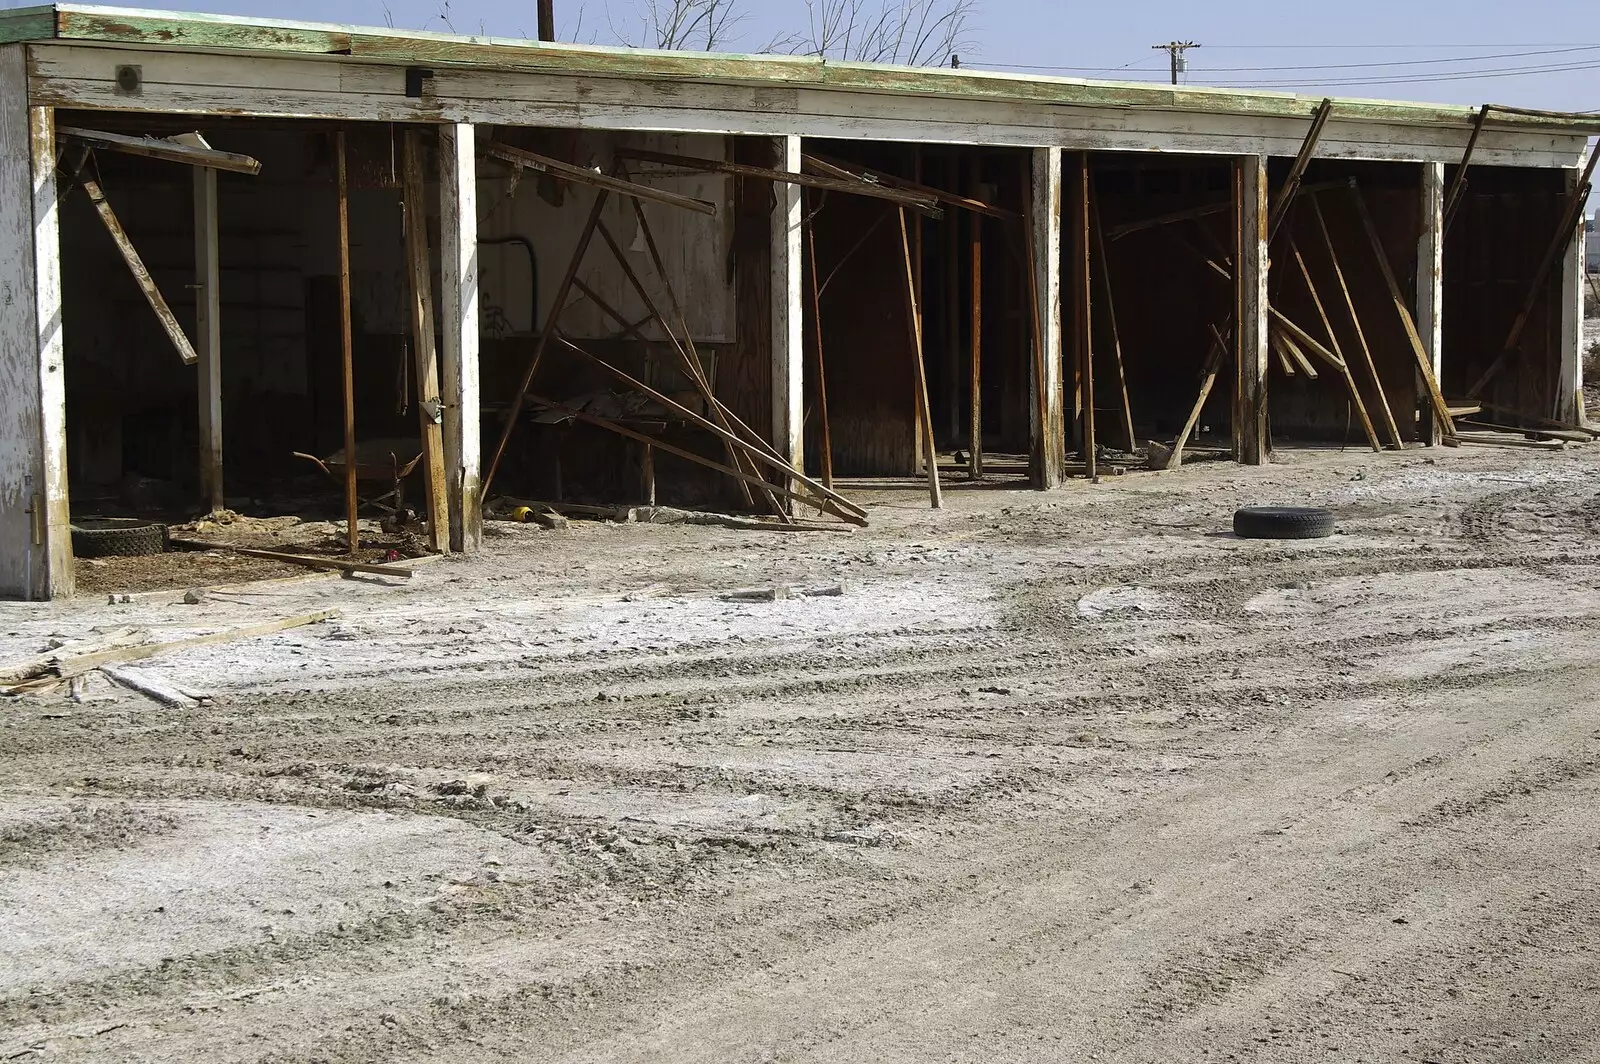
1282 522
118 538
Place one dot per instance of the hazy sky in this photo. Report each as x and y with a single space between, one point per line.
1318 46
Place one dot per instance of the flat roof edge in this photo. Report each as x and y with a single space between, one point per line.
212 33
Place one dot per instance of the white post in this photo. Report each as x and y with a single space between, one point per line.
35 538
458 307
788 344
1251 442
1569 404
208 335
1430 286
1049 442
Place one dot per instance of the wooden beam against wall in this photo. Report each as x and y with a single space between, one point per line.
208 335
975 426
825 430
165 150
1103 266
1452 199
1251 351
458 315
1291 185
929 452
430 398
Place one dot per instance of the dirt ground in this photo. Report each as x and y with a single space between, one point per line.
1058 777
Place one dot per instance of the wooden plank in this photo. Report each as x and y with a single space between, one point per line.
975 424
518 157
310 561
1452 200
347 345
79 666
458 312
917 201
136 266
1302 159
848 171
1355 323
1291 350
1424 360
1304 339
35 548
930 450
1208 380
208 336
1083 246
1116 335
165 150
430 401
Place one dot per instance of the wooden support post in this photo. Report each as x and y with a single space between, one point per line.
35 535
347 346
1104 266
1082 246
975 427
1430 285
1355 323
458 315
647 470
825 430
914 311
1042 238
208 335
1424 360
430 403
788 315
1251 353
1568 402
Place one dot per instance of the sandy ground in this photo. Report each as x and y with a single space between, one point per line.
1061 777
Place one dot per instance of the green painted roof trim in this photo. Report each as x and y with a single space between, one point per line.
218 32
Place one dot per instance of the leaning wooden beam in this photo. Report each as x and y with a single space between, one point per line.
430 405
930 452
545 335
1335 349
1291 351
690 363
1355 321
915 200
1458 185
1308 149
1304 339
1536 419
1566 230
1441 409
141 274
347 357
856 172
1111 319
1184 215
825 495
826 432
1208 380
623 430
310 561
518 157
165 150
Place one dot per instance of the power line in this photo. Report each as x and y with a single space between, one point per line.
1178 51
1324 66
1418 79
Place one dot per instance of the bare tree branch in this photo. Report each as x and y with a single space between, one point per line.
909 32
695 25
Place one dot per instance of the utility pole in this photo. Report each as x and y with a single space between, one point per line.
1180 62
547 20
